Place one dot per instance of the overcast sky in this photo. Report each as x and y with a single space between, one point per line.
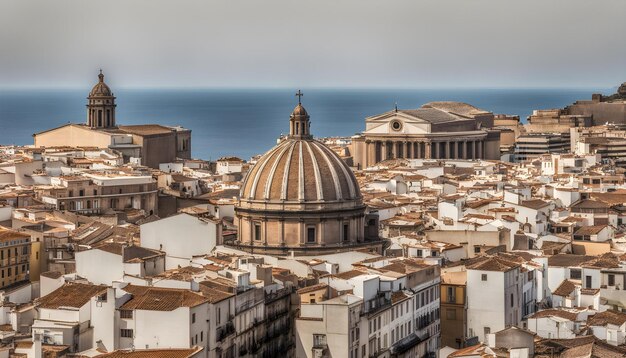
334 43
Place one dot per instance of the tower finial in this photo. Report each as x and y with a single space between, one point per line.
396 106
101 76
299 94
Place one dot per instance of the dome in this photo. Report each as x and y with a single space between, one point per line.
299 170
100 89
299 111
301 197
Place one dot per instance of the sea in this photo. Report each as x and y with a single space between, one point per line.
247 122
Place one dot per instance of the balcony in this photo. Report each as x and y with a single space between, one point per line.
225 331
380 302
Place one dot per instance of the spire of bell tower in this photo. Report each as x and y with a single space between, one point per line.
299 125
101 105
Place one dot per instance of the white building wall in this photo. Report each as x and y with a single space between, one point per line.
485 303
99 267
162 329
104 319
199 237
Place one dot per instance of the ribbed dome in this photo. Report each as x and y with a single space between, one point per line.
100 89
299 111
298 170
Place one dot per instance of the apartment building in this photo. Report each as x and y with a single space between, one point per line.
15 248
95 193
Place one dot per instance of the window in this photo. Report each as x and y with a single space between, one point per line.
487 331
511 300
587 281
319 340
126 333
193 318
201 336
477 249
81 192
451 295
483 277
126 314
257 231
345 232
419 253
611 280
310 234
574 274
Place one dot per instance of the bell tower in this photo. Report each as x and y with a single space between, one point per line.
299 125
101 105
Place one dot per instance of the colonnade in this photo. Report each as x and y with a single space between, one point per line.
379 150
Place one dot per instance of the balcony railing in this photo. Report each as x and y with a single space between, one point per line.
225 331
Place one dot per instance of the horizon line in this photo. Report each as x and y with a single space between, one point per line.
279 88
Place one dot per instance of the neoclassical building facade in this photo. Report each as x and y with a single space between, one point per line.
301 197
437 130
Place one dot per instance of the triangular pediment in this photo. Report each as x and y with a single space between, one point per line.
396 123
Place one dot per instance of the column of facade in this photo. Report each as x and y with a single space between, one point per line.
370 153
447 149
480 149
407 150
418 150
383 151
464 149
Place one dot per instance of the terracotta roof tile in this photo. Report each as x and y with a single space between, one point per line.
161 299
73 295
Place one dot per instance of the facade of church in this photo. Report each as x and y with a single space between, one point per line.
437 130
301 197
151 143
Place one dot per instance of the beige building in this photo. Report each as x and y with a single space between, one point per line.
151 143
609 141
603 109
96 193
300 196
14 257
437 130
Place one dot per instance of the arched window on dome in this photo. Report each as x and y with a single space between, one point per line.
297 128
